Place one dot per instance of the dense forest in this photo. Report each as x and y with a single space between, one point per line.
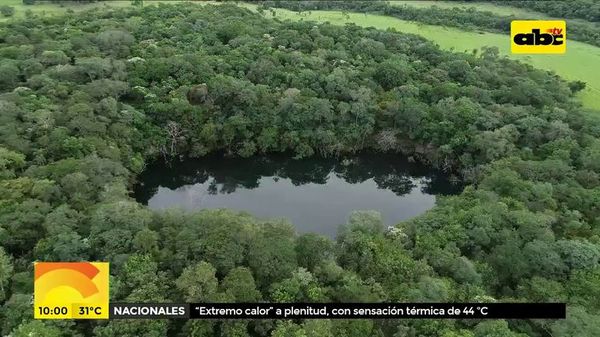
88 99
460 17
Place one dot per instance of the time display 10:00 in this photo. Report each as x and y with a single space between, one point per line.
53 310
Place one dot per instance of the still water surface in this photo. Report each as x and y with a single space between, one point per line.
316 194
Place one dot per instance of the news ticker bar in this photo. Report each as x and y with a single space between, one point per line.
337 311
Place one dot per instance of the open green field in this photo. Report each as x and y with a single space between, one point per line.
50 9
480 6
47 8
519 13
577 64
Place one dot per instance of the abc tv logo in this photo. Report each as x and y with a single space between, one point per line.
538 37
535 38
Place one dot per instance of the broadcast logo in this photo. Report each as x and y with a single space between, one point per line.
71 290
538 37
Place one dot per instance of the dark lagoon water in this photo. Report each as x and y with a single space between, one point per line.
316 194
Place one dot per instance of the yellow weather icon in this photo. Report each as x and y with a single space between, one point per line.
65 290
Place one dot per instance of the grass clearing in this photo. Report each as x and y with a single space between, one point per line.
479 6
43 8
47 8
